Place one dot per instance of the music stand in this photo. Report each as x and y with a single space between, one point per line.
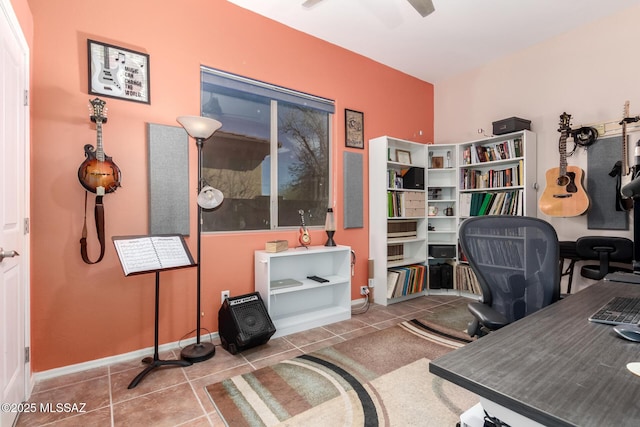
153 254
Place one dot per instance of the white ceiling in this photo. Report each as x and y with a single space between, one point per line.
459 36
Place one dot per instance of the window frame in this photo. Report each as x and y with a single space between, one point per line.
276 94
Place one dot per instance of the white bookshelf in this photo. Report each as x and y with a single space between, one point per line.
310 304
386 160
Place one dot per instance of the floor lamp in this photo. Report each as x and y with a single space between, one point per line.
200 128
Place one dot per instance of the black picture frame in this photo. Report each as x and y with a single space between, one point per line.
117 72
354 128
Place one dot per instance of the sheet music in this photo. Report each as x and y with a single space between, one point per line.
151 253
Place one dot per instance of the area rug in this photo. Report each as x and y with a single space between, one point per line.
379 379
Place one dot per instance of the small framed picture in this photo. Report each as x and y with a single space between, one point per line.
403 156
354 128
117 72
437 162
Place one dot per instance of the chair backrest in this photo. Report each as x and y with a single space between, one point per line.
515 259
617 249
606 250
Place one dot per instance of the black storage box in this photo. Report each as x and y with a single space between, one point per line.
446 276
442 251
413 179
512 124
440 276
435 276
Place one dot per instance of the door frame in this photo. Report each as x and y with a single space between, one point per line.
6 8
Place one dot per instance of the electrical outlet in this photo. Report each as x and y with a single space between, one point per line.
364 290
223 296
371 283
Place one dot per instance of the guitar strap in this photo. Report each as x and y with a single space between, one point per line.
99 217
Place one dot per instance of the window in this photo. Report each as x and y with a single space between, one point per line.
270 158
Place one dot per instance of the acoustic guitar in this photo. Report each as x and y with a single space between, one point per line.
98 173
304 238
564 194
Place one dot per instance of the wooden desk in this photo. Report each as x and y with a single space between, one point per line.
555 367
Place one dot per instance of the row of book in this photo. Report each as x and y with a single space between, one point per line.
406 280
405 204
503 150
394 179
491 203
466 280
492 178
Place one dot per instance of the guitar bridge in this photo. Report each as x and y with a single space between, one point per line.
562 196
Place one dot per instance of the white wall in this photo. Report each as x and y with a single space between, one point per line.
589 73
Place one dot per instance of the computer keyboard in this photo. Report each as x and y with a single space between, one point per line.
618 311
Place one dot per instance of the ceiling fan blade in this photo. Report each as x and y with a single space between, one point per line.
310 3
424 7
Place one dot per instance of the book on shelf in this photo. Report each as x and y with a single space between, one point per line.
466 280
146 254
464 207
405 280
402 228
508 202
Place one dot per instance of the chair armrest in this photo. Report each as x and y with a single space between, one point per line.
487 316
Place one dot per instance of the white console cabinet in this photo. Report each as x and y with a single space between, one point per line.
309 304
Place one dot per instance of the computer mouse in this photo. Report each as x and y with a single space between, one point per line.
630 332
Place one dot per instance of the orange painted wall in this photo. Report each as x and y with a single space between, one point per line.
84 312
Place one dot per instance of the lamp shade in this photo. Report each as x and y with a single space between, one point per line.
330 221
210 197
198 126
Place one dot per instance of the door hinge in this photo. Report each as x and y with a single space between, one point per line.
26 98
26 355
26 226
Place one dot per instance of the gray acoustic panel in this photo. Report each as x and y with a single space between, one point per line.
352 189
168 148
601 158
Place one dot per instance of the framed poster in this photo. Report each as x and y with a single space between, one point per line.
118 72
354 128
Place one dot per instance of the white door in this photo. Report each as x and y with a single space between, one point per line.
14 269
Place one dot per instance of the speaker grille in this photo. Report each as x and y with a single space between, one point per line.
252 319
243 322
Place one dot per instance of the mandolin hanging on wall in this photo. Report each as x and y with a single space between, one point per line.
98 173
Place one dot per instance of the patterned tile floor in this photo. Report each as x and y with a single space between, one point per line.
175 396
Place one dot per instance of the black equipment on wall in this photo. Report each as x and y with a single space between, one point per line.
243 322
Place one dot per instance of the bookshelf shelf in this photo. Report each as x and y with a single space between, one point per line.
308 304
396 232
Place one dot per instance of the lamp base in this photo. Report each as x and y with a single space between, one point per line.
198 352
330 241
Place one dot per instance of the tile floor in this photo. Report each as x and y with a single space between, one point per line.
175 396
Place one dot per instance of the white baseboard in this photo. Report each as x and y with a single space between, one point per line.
106 361
124 357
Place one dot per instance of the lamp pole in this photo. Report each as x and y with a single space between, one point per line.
200 128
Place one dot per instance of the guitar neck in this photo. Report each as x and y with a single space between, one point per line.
99 150
562 146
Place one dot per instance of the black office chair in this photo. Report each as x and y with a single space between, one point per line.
515 259
606 250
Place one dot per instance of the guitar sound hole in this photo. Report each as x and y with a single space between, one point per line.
568 181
